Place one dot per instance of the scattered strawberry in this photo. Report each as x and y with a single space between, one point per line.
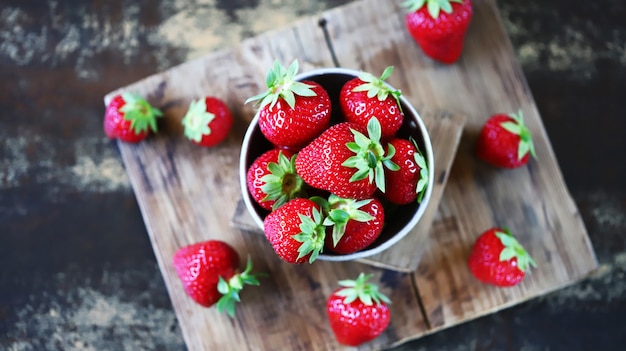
355 224
292 113
272 179
498 258
209 273
345 162
505 141
358 311
130 118
207 122
439 26
368 96
295 231
408 183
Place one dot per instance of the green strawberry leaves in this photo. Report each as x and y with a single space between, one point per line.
340 211
518 127
370 159
282 183
197 119
420 188
376 87
312 235
281 83
140 113
360 289
433 6
513 249
230 289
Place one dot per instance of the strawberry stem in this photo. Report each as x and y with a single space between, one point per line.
312 235
370 158
197 120
360 289
340 211
518 127
513 249
281 83
140 113
230 289
282 183
420 188
376 86
433 6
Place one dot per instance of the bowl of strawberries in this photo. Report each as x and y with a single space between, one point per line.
336 164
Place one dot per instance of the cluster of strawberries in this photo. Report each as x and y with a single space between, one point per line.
130 118
351 166
357 311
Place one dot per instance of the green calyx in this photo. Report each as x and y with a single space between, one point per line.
339 211
196 120
312 235
434 6
283 182
512 248
519 128
370 158
230 289
376 87
360 289
281 83
140 113
420 189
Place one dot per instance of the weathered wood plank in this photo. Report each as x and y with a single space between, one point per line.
187 194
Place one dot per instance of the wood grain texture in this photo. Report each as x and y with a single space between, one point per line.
187 194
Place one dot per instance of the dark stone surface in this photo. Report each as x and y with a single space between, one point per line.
78 272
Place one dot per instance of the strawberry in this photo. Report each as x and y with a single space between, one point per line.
272 179
355 223
368 96
408 183
345 162
130 118
292 113
505 141
498 258
295 231
209 273
358 311
439 26
207 122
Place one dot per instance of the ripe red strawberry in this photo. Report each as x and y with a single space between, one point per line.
358 312
505 141
368 96
408 183
207 122
498 258
356 224
272 179
209 273
130 118
295 231
292 113
345 162
439 26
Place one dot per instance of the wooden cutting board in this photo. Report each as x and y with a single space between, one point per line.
187 194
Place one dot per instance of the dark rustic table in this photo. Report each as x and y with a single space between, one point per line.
77 268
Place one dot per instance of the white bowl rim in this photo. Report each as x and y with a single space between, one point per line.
407 228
